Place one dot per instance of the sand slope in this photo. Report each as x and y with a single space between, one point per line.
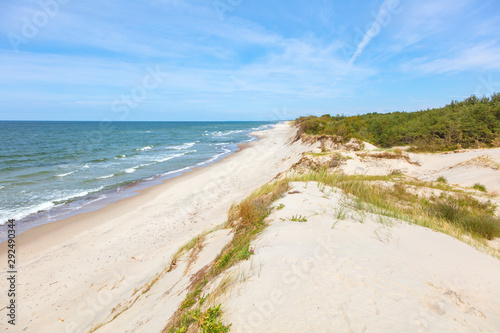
379 275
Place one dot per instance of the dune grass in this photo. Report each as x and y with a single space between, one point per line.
456 214
479 187
441 179
298 218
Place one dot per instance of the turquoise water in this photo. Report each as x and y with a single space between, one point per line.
49 169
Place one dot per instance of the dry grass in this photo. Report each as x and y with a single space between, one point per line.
195 245
226 284
483 161
467 218
317 161
496 142
396 154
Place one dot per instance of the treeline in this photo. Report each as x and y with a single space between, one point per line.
471 123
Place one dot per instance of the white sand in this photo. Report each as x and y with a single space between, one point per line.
330 275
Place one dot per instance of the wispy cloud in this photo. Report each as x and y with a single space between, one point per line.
425 19
237 56
480 57
374 29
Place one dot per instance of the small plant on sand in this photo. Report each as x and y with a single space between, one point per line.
207 321
245 253
359 216
384 233
398 151
479 187
340 212
280 206
298 218
441 179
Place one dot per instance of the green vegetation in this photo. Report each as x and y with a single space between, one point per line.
280 206
467 214
298 218
208 321
340 212
441 179
318 154
479 187
474 122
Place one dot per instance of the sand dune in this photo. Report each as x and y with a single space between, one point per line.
360 274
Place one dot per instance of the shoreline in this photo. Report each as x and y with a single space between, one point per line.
112 196
45 229
111 251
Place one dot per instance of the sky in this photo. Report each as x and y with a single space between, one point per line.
171 60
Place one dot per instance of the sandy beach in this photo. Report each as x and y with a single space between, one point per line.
107 271
73 272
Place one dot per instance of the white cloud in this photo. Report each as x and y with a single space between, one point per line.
480 57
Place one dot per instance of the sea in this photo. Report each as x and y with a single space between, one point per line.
50 170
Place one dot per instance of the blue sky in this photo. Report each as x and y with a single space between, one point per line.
242 59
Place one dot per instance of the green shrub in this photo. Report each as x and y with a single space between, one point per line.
473 122
441 179
479 187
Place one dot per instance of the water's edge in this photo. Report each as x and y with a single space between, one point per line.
89 203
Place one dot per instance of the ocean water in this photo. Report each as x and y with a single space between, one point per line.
51 169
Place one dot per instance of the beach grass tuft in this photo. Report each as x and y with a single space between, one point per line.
479 187
441 179
298 218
